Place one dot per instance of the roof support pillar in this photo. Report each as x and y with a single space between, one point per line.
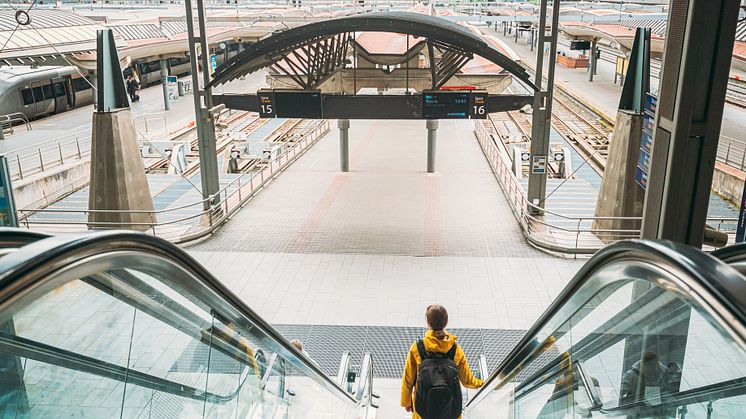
208 160
344 144
542 112
164 84
693 84
432 133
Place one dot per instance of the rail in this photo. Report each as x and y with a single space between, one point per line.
35 268
550 231
37 158
732 152
187 222
718 289
13 118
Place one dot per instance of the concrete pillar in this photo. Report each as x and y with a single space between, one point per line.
620 195
344 144
118 180
592 61
432 131
164 83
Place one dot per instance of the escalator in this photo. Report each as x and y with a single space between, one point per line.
119 324
645 329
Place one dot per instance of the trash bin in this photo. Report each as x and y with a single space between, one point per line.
181 88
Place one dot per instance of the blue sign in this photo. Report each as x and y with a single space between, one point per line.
741 228
7 204
213 62
646 141
644 161
651 104
641 177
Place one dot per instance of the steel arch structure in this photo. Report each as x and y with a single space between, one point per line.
269 51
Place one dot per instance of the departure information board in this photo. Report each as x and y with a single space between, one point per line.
445 105
298 104
454 105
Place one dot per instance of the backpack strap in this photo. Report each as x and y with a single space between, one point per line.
421 349
451 354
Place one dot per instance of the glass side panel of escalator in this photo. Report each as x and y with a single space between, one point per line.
136 335
629 348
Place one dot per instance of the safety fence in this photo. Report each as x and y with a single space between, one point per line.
546 229
732 152
28 161
557 232
182 223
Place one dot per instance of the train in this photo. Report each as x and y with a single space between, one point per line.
42 91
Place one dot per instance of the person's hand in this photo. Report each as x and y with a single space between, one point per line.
408 409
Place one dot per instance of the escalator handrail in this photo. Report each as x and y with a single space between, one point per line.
732 253
28 268
17 237
715 283
67 359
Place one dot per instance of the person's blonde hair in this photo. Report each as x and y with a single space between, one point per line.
437 319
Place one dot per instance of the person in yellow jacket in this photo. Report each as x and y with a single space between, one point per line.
436 340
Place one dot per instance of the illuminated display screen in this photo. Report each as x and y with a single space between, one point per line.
445 105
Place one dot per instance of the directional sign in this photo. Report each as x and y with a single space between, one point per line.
478 105
266 102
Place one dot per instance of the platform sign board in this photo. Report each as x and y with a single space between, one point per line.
7 204
646 140
539 165
213 62
266 101
445 105
580 45
298 104
478 105
172 85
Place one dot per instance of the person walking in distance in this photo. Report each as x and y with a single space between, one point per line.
434 368
132 87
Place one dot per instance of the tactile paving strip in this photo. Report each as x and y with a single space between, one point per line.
389 345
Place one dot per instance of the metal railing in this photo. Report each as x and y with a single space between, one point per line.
732 152
10 119
186 222
550 230
558 232
37 158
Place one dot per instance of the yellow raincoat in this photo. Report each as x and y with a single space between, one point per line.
433 344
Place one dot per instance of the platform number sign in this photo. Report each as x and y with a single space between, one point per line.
266 102
478 105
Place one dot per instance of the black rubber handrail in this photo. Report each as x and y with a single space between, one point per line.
732 253
18 237
30 266
714 281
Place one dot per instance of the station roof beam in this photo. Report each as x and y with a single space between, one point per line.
456 42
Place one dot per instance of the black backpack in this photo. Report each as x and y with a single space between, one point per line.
438 391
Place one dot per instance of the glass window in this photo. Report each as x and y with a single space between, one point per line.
59 90
80 84
38 95
27 96
48 94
